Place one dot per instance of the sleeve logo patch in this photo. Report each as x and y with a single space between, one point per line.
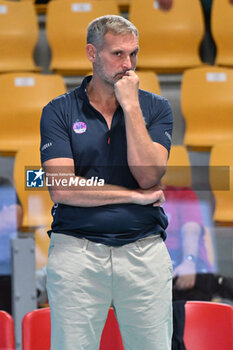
45 146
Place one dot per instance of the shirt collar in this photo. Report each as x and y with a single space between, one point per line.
81 91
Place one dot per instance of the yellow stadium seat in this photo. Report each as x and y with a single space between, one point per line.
148 80
221 181
179 168
207 106
66 27
36 202
222 31
169 40
123 6
18 36
22 97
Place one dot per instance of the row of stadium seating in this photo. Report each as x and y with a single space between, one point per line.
169 41
208 325
206 102
37 203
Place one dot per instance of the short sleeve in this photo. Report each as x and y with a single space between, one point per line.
161 123
55 140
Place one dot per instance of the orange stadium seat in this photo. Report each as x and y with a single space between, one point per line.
207 105
66 31
148 80
7 338
22 97
222 31
221 181
123 5
208 325
179 168
169 41
36 202
18 36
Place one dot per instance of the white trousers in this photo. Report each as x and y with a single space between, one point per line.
84 279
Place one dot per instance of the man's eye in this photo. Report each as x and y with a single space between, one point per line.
117 53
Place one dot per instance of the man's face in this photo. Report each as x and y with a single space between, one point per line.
117 56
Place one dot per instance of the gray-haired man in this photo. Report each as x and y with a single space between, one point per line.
107 240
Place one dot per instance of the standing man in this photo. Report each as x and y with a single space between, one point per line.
107 236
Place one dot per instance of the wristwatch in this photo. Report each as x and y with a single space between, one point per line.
190 257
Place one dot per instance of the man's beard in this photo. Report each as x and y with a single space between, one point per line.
110 80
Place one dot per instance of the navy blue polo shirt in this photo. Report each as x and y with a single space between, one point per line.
72 128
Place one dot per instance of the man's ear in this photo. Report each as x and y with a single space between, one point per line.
91 52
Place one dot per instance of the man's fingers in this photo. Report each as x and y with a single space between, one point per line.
159 202
130 72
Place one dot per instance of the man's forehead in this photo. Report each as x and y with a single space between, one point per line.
121 40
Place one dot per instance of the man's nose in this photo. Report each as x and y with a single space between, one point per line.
127 64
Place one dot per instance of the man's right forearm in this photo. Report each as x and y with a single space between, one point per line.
93 196
81 193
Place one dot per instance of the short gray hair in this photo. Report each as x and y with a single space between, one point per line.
110 23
